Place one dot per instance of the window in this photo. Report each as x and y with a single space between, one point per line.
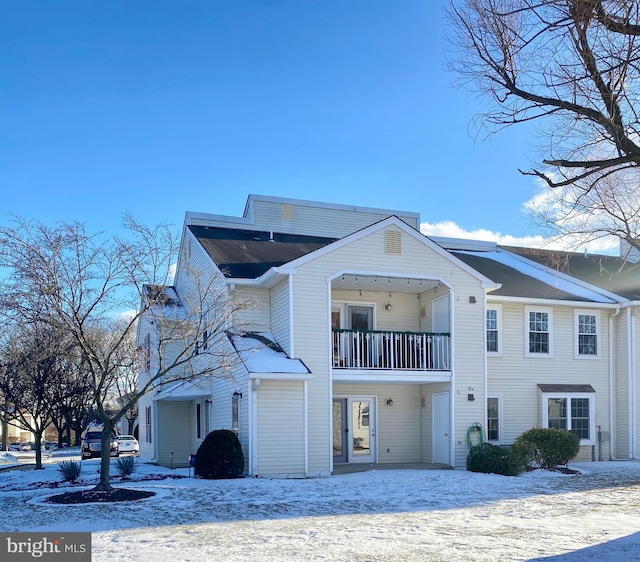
493 327
572 412
147 353
493 418
147 416
538 332
587 328
205 332
198 421
235 411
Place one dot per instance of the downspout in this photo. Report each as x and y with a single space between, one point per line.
611 383
452 385
632 382
254 384
330 355
305 390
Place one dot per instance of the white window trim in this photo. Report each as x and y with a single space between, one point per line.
500 418
576 313
549 312
498 309
568 396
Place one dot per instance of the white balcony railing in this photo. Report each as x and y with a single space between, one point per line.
387 350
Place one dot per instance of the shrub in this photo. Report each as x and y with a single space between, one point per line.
549 447
125 465
219 456
70 470
490 458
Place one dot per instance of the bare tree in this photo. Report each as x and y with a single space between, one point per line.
31 374
572 67
98 287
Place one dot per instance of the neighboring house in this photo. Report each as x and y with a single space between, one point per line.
368 342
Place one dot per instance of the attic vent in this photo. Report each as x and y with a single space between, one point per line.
287 212
392 242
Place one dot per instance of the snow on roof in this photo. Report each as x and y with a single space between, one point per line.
543 274
261 354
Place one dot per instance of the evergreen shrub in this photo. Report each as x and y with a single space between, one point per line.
219 456
492 459
549 447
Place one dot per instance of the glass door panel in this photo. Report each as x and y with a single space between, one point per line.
362 432
339 430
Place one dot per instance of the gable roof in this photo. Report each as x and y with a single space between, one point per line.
248 254
523 278
612 273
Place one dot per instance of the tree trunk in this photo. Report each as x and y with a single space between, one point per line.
105 459
38 444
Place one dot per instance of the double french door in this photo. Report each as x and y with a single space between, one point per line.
354 429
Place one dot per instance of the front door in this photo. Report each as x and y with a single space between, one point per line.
440 421
354 430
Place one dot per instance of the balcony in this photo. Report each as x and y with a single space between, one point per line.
390 351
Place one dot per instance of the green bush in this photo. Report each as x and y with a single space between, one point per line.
493 459
70 470
125 465
549 447
219 456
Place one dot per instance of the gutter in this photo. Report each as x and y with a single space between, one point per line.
631 319
612 317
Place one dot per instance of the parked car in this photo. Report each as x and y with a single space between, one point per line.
91 444
128 444
17 446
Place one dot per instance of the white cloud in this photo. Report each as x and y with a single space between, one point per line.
449 229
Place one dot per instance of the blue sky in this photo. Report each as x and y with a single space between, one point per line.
156 108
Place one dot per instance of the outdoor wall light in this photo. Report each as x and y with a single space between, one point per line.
237 394
389 402
472 300
470 397
387 306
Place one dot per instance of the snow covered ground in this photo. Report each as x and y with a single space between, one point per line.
380 515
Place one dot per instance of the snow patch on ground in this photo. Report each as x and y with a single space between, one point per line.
404 515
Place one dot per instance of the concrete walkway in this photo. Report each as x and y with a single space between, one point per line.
363 467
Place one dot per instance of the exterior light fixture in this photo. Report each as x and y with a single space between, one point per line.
389 401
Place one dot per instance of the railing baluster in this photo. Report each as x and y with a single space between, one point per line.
382 349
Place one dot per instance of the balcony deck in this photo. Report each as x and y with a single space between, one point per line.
385 350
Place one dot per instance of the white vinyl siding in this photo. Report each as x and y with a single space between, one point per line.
280 308
253 309
515 377
174 432
398 426
280 427
313 344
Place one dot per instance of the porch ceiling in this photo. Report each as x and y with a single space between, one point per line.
383 283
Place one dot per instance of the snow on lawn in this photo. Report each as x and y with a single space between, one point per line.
380 515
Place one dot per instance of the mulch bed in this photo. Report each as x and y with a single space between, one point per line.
93 496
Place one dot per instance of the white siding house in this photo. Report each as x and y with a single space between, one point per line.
360 340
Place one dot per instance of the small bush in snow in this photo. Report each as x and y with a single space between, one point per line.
493 459
549 447
219 456
70 470
126 465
